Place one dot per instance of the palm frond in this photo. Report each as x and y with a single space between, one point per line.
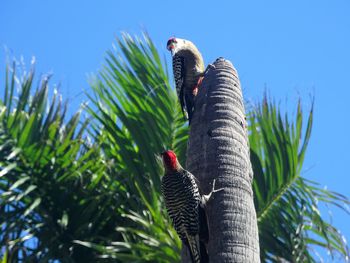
287 204
46 169
138 117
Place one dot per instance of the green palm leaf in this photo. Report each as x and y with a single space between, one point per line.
286 203
46 170
138 117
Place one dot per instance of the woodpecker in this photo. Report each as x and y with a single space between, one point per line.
186 206
188 69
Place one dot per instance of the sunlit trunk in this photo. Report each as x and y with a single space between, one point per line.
219 149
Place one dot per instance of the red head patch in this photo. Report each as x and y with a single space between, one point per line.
171 43
169 159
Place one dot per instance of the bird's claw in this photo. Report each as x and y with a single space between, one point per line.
207 197
213 190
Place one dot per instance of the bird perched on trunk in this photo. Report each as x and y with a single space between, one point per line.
186 206
188 69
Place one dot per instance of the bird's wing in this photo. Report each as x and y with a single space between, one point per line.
179 76
171 203
202 219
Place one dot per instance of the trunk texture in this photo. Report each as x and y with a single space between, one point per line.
219 149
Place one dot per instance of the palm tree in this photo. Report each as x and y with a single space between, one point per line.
133 91
53 186
65 197
219 149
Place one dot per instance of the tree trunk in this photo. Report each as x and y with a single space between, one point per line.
219 149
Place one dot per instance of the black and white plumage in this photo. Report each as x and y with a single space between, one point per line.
188 69
186 207
182 200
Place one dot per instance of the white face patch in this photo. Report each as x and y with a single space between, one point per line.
177 46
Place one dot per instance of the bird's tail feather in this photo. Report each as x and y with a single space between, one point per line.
194 247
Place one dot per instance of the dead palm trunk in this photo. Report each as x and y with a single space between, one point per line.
219 149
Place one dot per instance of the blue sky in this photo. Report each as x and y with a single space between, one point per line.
291 49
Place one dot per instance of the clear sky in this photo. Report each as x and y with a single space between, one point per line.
291 49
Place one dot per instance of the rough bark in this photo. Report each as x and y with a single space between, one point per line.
219 149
